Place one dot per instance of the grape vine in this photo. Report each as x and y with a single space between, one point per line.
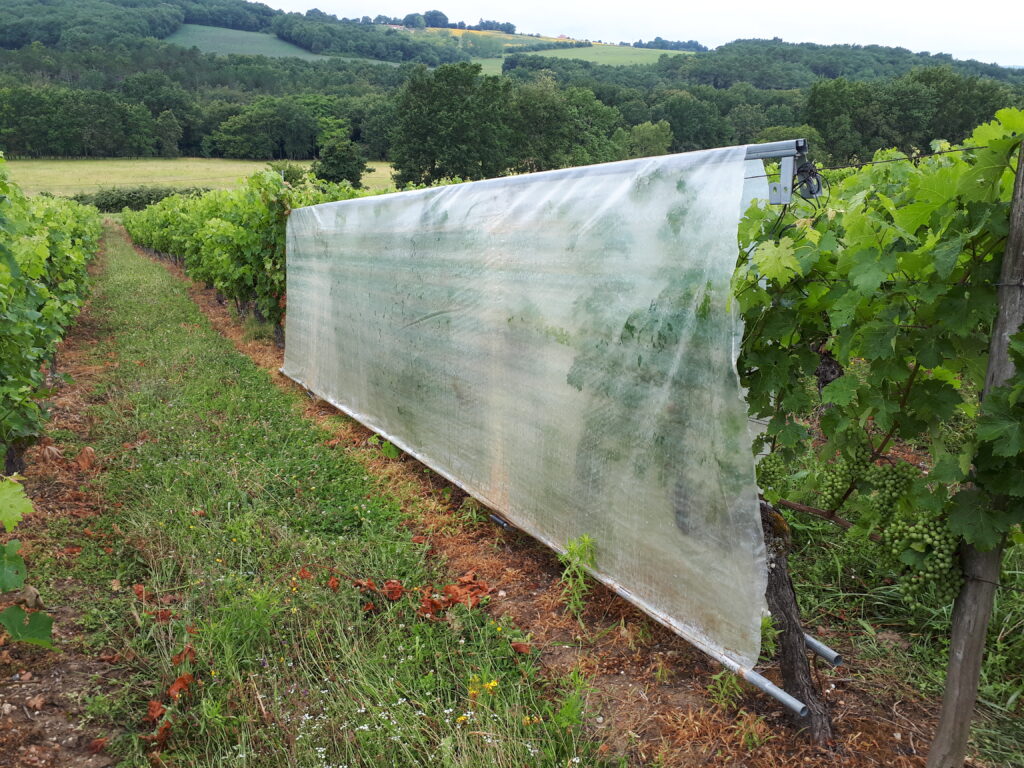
45 246
893 277
233 239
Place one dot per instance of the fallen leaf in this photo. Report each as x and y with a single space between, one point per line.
366 585
115 585
188 653
305 574
180 686
419 539
333 583
25 676
160 736
154 711
96 745
430 606
333 442
170 599
86 459
110 657
36 702
162 616
369 607
140 592
393 590
520 647
50 454
199 513
71 551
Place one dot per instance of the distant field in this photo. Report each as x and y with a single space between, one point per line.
612 55
489 66
227 41
489 33
379 176
67 177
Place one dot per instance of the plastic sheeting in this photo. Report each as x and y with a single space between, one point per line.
561 346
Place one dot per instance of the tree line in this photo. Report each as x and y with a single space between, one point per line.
136 96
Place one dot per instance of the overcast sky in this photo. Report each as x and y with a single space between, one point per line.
989 32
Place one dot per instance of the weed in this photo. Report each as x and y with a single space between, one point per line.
257 330
577 560
751 730
769 638
724 690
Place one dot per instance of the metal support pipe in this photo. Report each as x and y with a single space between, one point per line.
765 685
777 149
499 521
832 657
757 680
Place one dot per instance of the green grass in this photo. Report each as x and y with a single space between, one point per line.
232 506
228 41
67 177
379 176
489 66
610 55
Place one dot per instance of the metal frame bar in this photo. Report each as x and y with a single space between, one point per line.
788 153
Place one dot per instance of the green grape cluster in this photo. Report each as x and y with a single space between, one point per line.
771 472
925 554
835 478
890 482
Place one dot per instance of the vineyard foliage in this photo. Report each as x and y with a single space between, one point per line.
234 239
45 246
890 279
884 293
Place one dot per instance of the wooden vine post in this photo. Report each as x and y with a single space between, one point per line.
781 598
973 607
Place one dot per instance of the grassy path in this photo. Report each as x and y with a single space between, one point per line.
232 586
243 547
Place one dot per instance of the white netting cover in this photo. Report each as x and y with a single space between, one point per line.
561 346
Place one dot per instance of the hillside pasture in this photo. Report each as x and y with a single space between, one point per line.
611 55
235 41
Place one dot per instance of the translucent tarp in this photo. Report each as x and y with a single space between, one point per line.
561 346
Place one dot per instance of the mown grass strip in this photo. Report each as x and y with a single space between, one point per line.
245 533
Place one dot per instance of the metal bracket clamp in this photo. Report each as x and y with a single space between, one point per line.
781 192
791 156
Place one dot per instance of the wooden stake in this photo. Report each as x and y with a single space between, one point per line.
973 607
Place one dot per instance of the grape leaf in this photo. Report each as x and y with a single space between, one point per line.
14 504
972 517
777 261
12 567
1000 425
38 630
841 391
